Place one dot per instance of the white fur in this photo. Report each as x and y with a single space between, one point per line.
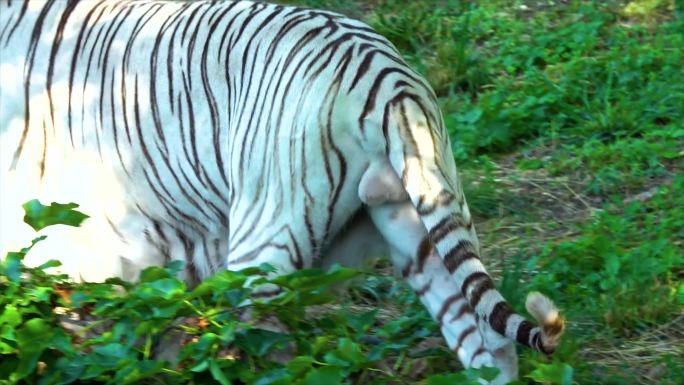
541 308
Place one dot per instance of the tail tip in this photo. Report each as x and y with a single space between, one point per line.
541 308
548 316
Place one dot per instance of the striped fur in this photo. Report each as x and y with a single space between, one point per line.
228 134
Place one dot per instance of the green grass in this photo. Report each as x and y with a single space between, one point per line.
567 120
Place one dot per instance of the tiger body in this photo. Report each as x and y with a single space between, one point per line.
228 134
219 173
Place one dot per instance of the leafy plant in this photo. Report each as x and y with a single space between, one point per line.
53 331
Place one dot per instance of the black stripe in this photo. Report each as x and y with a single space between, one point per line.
297 259
463 251
465 309
369 106
24 7
44 158
445 307
444 198
72 70
35 38
362 68
406 270
385 128
447 225
190 267
472 279
498 318
479 351
330 136
423 290
484 284
523 334
464 334
423 252
53 54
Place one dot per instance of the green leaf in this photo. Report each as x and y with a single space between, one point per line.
469 376
217 373
49 264
279 376
34 335
11 266
135 371
6 348
39 294
347 353
28 361
175 267
8 333
166 288
154 273
319 343
363 321
258 342
66 370
33 338
315 278
327 375
487 373
168 311
555 373
207 341
8 368
39 216
451 379
236 297
10 316
472 116
227 332
109 355
300 364
612 265
200 367
219 283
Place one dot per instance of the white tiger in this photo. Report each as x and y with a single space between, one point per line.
229 134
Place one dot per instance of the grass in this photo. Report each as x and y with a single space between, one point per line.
567 122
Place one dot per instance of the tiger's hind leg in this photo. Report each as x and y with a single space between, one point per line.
505 359
362 240
356 245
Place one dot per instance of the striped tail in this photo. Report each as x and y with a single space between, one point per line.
427 169
450 230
